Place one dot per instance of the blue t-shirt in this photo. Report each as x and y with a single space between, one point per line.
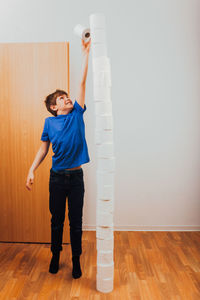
67 135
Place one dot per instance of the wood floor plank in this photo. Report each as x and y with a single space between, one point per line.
148 266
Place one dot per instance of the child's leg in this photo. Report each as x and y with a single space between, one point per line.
75 212
57 203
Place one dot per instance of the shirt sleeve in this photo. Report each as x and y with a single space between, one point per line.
79 108
45 136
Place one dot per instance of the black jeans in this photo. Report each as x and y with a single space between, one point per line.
62 184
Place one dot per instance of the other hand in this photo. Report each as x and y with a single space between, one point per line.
30 179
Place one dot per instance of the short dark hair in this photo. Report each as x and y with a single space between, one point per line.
51 100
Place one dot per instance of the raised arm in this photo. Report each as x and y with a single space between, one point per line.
85 51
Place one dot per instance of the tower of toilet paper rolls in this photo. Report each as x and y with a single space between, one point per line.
105 150
105 154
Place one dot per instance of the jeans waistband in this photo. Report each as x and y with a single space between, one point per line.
64 171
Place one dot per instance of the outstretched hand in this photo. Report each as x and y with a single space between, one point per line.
86 46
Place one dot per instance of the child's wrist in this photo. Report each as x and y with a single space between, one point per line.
85 54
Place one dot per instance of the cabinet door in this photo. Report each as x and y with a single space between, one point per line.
28 73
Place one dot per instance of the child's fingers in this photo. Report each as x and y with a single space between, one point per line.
28 187
86 43
29 183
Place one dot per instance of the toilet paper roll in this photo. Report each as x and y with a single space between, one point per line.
99 50
105 197
102 78
106 164
96 100
104 232
104 285
102 94
105 205
102 108
104 178
104 122
105 244
106 209
101 63
105 150
98 35
105 192
104 219
108 169
97 20
105 271
103 136
83 32
104 257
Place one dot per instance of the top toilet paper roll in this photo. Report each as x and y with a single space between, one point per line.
97 21
83 32
98 36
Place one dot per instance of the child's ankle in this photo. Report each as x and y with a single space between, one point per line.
76 271
54 264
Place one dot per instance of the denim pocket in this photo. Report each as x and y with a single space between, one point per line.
77 180
79 176
55 177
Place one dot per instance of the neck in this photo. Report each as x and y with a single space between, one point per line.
63 112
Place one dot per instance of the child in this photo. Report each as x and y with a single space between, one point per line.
66 131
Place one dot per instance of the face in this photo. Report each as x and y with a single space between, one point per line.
63 105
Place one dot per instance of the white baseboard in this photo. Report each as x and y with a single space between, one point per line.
148 228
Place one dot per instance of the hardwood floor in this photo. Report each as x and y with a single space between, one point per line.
148 265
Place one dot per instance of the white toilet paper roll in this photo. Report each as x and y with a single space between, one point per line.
102 94
104 179
97 20
105 244
105 150
83 32
104 285
106 164
105 271
104 257
104 232
103 136
103 108
105 205
104 122
101 63
98 36
96 100
99 50
102 78
107 196
106 209
104 219
105 192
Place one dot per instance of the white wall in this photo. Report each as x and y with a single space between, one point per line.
154 47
